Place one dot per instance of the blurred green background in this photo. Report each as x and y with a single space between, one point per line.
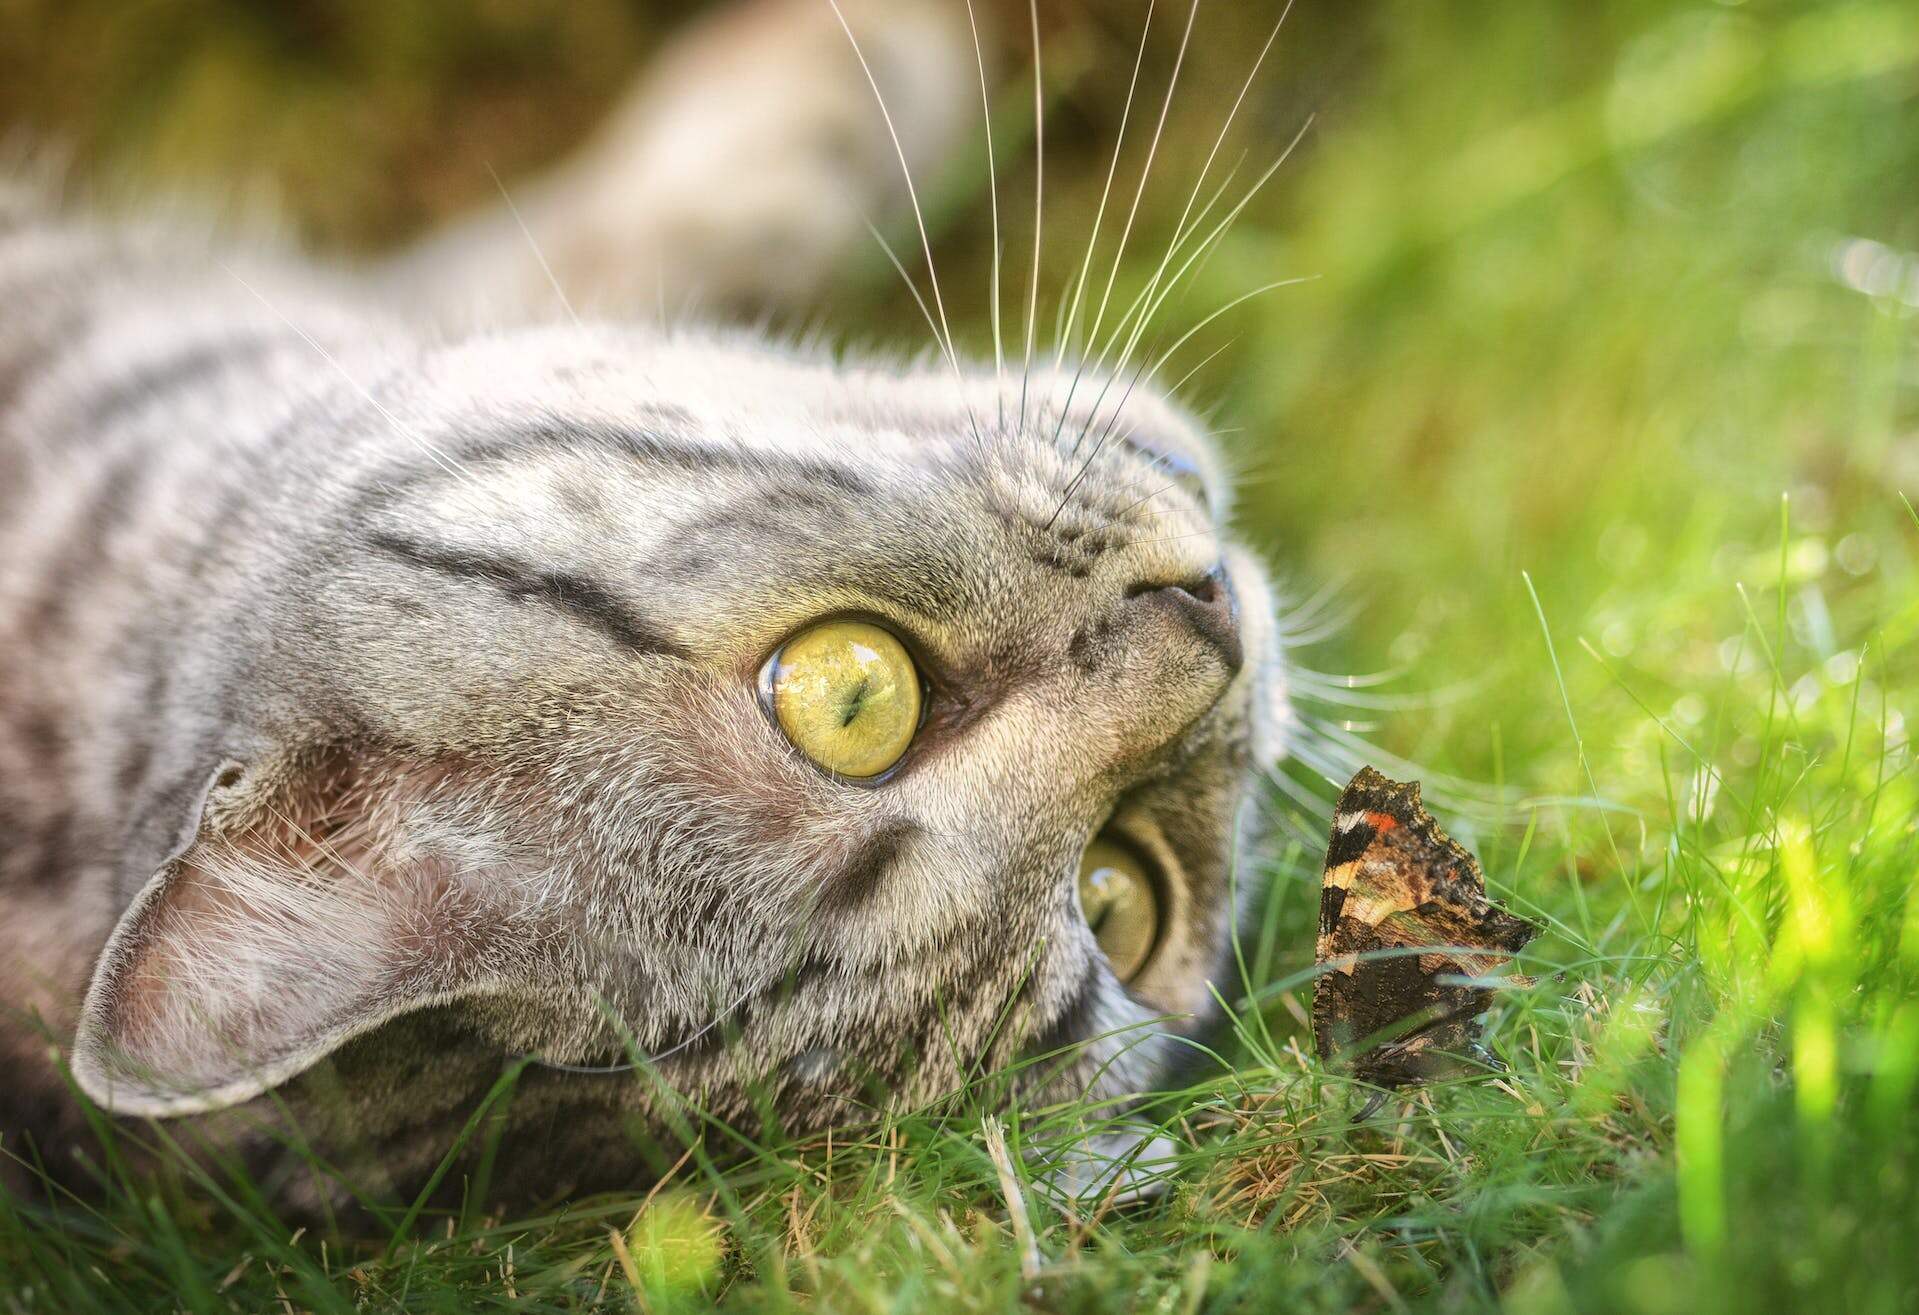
1616 297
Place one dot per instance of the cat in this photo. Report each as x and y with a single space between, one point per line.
406 681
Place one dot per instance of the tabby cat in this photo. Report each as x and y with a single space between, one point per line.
404 681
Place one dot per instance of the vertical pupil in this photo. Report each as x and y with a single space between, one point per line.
846 694
855 701
1101 910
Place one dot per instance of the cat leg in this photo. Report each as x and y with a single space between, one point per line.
733 181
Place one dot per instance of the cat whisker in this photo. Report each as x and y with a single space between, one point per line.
1352 726
1175 538
1181 234
919 215
1145 172
992 184
1164 488
1328 688
538 255
1308 636
1178 385
918 300
1119 409
1338 694
1086 465
1339 753
1158 296
1143 371
1302 825
1092 456
1039 195
1326 612
1333 748
1063 337
1152 468
1059 319
1236 302
1180 230
406 431
906 172
1133 309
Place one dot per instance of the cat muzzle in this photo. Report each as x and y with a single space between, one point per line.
1207 607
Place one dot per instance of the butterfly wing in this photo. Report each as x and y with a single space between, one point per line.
1403 917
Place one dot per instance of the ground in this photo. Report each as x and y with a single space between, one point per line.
1594 418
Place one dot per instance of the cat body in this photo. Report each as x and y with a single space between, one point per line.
383 710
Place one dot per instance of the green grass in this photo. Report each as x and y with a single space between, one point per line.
1599 408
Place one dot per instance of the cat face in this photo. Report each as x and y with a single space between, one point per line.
745 710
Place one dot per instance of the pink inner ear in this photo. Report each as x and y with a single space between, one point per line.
243 963
235 947
230 977
194 922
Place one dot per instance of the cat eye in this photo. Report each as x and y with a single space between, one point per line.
847 694
1173 467
1120 901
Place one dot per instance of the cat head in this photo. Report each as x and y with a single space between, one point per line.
814 727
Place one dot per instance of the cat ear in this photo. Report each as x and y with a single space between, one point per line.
297 918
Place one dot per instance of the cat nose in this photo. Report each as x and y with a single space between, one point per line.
1206 605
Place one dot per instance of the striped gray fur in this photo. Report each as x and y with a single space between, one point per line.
378 706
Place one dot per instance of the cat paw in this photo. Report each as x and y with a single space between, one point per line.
740 173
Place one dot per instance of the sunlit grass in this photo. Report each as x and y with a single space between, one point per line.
1600 404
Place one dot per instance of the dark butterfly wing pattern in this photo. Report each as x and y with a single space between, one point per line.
1403 917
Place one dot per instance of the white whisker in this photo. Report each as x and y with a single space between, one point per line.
1178 385
1039 195
1137 502
1152 154
992 184
1132 214
1133 309
1325 612
1240 300
1158 295
1330 680
945 333
1342 750
1179 229
1312 806
538 255
1152 296
440 458
1063 338
1177 244
918 300
1144 372
1059 318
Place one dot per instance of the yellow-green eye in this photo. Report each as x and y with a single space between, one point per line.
1121 905
847 695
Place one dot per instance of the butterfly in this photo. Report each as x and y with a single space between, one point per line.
1407 939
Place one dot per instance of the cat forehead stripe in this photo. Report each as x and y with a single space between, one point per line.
500 439
565 591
